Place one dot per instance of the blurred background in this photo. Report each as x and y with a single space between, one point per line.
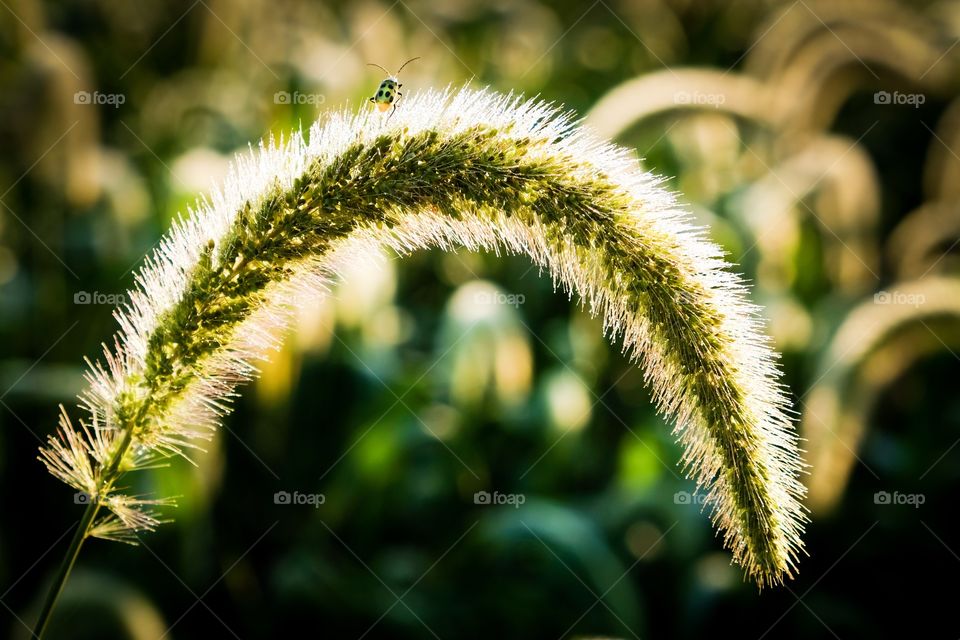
446 447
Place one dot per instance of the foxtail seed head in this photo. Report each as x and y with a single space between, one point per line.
470 168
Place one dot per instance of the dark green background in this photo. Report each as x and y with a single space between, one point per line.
385 398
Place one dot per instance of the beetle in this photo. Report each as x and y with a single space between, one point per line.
389 90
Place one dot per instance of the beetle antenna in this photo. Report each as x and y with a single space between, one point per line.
371 64
405 64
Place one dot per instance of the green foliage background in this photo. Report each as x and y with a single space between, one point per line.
421 382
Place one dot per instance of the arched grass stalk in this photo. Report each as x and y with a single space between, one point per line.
871 349
466 168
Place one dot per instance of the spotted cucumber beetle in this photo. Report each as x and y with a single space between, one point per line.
389 89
